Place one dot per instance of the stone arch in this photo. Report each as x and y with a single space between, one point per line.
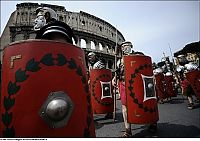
18 18
101 47
61 18
113 48
22 16
93 45
107 48
73 41
26 17
83 43
104 46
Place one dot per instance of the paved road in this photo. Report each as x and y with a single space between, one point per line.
175 120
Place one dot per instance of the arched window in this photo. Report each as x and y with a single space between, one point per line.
100 46
107 49
93 45
83 43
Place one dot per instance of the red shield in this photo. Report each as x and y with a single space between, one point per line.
160 86
194 78
141 98
45 91
101 91
169 86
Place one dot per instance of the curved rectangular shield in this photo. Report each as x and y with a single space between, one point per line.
140 90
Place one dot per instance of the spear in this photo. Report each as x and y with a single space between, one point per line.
174 69
114 111
172 58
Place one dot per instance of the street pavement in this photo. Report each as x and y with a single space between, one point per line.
175 121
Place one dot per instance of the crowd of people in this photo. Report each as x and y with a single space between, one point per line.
172 82
166 82
118 82
179 81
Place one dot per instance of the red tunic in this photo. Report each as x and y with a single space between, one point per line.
187 89
121 86
184 85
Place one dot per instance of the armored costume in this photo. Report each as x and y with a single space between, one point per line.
141 103
100 86
160 85
94 63
170 89
193 76
140 90
45 89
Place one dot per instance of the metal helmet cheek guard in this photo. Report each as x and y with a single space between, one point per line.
40 21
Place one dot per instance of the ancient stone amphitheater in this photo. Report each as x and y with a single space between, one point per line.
93 33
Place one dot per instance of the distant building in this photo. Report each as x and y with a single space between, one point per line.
93 33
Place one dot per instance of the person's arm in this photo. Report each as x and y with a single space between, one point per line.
113 81
182 87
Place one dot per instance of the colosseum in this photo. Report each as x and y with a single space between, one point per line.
93 33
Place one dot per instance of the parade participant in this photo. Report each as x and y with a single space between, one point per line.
170 88
96 63
192 74
47 80
47 26
121 87
187 91
152 126
127 50
159 84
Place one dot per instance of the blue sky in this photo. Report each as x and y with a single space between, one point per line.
151 26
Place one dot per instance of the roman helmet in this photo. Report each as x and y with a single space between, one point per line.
126 47
44 15
47 26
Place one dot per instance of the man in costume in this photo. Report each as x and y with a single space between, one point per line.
47 26
126 50
50 107
96 63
